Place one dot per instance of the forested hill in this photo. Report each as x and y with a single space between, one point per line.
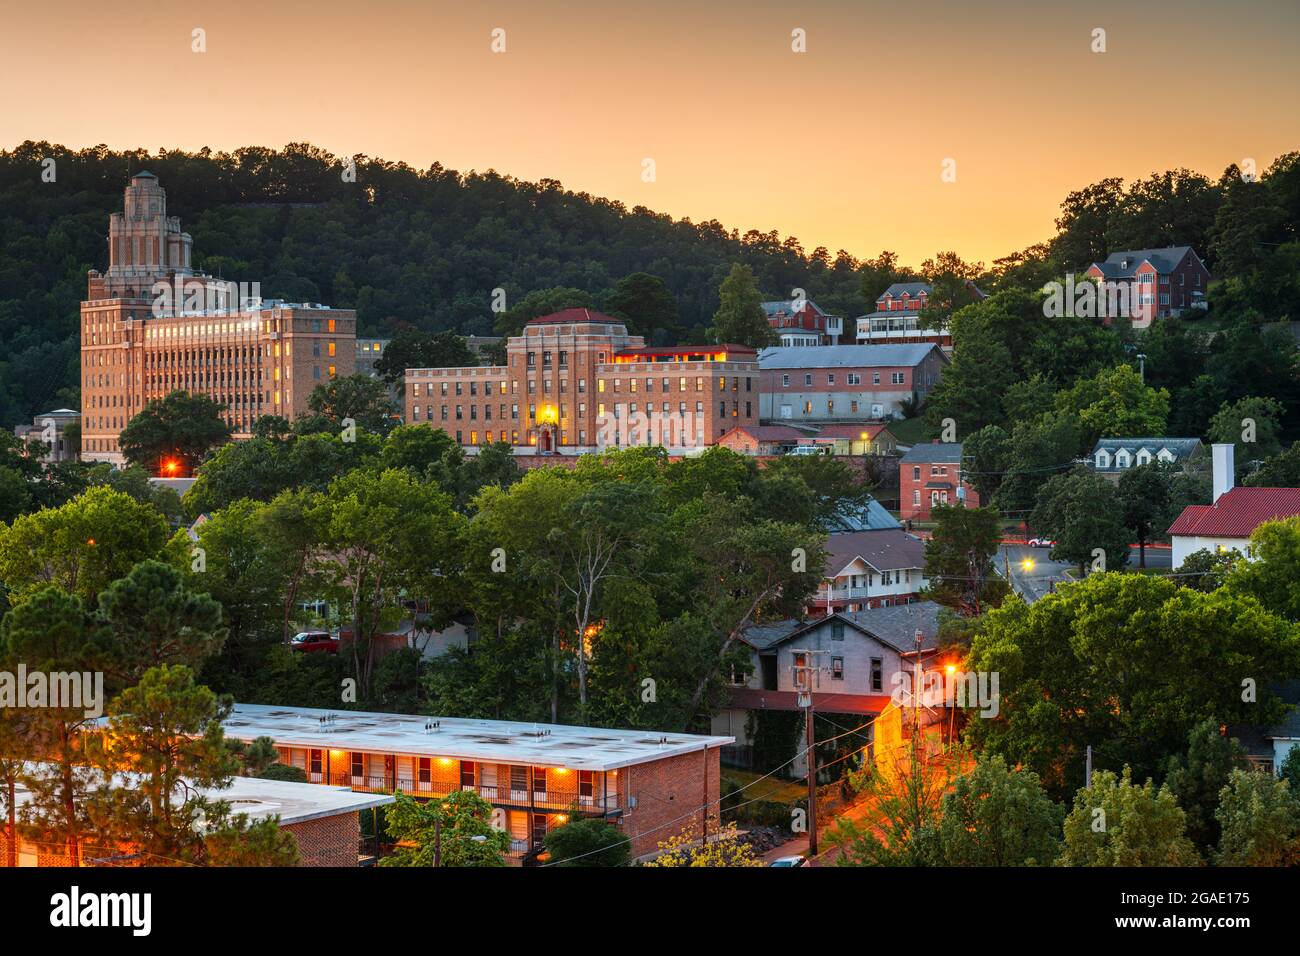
426 248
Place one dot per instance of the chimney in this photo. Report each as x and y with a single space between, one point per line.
1224 469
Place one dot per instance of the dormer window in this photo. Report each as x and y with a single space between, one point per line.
1122 458
1103 458
1144 457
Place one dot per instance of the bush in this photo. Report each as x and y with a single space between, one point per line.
282 771
588 842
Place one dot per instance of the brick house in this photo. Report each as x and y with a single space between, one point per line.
1157 282
845 383
652 785
763 439
897 316
802 323
929 475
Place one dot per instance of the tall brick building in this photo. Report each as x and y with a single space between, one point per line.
151 324
576 380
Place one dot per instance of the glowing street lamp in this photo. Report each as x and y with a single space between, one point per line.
1027 564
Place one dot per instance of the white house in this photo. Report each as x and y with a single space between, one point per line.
1113 456
870 569
1228 522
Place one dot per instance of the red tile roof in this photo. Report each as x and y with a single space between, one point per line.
575 315
1238 512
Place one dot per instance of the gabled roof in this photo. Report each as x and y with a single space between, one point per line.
887 549
1165 261
869 517
895 627
771 432
1237 513
846 356
937 452
1178 447
786 306
910 289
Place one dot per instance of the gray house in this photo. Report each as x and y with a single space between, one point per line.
1113 456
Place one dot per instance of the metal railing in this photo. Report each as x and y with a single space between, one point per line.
550 799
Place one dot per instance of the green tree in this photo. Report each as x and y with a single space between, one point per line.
1115 403
959 558
1259 816
358 398
81 547
906 789
1270 577
1196 777
740 319
1115 822
1146 501
166 732
154 619
454 831
1280 471
181 426
587 842
1252 416
1082 511
649 308
998 816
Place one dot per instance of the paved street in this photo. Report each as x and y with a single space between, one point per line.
1034 583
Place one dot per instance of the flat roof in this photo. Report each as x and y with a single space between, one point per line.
258 798
463 738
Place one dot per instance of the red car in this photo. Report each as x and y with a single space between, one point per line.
314 642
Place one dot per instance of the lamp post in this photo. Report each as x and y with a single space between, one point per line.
1142 367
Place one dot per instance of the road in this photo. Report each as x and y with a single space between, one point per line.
1033 583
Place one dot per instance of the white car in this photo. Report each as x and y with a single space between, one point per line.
789 861
1041 543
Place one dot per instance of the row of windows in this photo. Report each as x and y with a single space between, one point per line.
851 378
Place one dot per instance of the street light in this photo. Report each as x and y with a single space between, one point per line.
1027 564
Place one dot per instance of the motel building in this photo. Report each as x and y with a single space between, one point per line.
650 784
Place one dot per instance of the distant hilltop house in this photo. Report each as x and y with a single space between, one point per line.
930 474
896 317
1113 456
1158 282
49 428
802 323
840 383
1227 523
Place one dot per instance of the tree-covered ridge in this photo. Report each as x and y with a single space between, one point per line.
426 248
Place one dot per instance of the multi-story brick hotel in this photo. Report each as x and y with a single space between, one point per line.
151 325
576 381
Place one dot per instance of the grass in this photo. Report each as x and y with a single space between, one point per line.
912 431
773 788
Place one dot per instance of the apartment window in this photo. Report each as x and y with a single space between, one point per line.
582 385
315 761
586 783
539 781
467 774
473 388
807 379
875 378
444 413
426 770
837 668
532 360
830 378
358 765
896 378
916 472
546 360
519 779
854 378
877 674
460 413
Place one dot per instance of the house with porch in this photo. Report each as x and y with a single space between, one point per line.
870 569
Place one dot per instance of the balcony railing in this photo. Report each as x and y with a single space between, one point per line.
508 796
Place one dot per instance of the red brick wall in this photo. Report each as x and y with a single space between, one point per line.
327 841
667 790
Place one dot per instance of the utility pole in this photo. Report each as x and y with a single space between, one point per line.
803 681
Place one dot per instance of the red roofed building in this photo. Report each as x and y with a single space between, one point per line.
763 439
1227 523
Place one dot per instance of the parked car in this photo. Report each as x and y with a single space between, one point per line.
789 861
1041 543
314 642
810 450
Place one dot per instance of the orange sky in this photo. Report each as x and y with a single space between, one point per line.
841 146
